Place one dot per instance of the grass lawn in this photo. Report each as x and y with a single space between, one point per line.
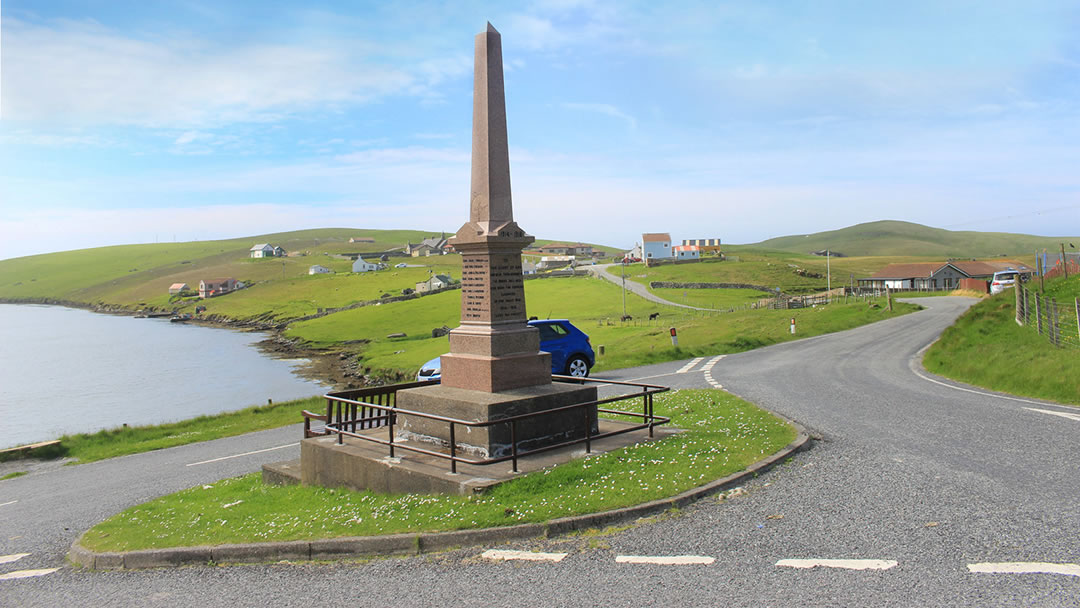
723 435
88 447
594 305
986 347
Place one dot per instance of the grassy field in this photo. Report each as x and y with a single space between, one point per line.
723 435
770 269
986 347
594 306
88 447
715 299
281 300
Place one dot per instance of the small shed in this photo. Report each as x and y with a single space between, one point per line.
317 269
177 288
686 252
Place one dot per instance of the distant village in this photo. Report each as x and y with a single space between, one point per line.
553 258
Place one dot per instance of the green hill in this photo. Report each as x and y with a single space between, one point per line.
890 238
136 275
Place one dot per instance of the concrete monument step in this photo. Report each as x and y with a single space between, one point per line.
361 465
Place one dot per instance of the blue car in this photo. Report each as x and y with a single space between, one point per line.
571 353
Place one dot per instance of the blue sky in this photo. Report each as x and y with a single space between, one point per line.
124 122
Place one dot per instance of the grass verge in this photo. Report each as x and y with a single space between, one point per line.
724 434
13 475
986 347
88 447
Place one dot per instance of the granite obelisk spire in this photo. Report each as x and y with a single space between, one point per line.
494 349
490 201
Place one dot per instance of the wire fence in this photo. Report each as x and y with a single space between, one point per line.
1057 321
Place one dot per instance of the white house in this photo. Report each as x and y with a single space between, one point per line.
262 250
527 267
361 266
434 283
656 246
316 269
686 252
176 288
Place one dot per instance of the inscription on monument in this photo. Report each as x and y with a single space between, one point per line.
492 289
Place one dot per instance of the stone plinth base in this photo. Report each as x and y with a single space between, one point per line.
360 465
484 373
480 406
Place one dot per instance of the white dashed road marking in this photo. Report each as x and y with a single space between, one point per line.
280 447
4 504
1075 417
1025 568
708 371
665 560
689 366
26 573
532 556
848 564
14 557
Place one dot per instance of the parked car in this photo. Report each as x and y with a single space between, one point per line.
400 265
571 352
1003 279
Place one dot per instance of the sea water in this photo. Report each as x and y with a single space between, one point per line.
65 370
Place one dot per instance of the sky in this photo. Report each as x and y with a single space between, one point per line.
141 122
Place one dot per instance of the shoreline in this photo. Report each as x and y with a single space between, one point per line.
338 368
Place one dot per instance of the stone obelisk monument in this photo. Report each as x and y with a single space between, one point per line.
494 349
495 367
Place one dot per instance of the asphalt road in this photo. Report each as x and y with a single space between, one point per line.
603 271
927 479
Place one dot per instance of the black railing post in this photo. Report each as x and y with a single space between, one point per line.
329 415
513 443
453 450
588 431
649 412
340 426
390 425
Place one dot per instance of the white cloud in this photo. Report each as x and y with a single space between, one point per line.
80 73
603 108
189 136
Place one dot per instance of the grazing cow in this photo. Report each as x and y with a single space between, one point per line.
626 318
654 316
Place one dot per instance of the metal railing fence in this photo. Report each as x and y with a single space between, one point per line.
1057 321
346 414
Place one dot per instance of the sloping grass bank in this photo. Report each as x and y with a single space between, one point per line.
986 347
724 434
88 447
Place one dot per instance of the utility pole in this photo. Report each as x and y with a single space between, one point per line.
828 276
623 266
